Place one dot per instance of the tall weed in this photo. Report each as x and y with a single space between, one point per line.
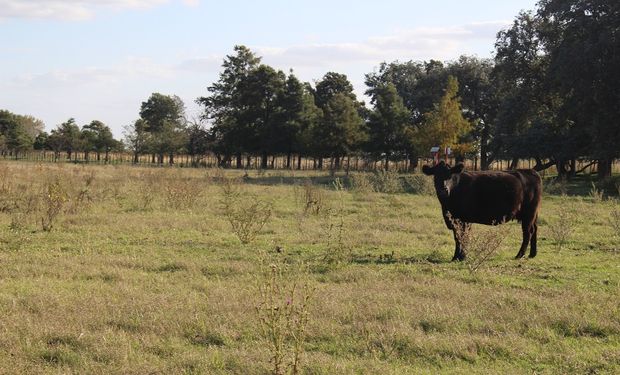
284 295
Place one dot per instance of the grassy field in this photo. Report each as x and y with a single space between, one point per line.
142 273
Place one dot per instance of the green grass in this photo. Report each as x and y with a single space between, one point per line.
119 288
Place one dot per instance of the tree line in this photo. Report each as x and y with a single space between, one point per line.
550 94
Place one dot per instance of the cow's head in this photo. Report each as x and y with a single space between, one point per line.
445 177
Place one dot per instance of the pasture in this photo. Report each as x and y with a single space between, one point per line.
139 271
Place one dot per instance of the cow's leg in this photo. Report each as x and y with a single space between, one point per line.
526 227
457 246
533 249
459 253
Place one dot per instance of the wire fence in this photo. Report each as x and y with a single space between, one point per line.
352 163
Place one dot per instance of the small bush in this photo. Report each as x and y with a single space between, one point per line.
610 185
554 186
182 193
419 184
379 181
246 213
312 198
387 182
479 244
84 195
361 183
562 227
54 199
596 194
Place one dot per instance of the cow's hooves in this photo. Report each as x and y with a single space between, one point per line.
532 255
519 256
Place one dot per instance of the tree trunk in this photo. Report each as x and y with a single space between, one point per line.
560 165
288 160
573 168
299 162
604 168
514 163
135 158
320 166
485 161
171 159
239 161
413 163
263 160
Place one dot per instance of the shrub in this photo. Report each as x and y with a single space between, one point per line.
554 186
182 193
419 184
54 199
361 182
387 182
596 194
311 197
83 196
562 227
480 244
246 213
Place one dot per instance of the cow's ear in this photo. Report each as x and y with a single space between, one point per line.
457 168
427 170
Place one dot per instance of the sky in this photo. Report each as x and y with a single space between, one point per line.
100 59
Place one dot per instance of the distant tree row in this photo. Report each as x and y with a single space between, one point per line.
549 94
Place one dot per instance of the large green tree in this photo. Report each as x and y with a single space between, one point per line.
582 42
261 94
164 119
342 130
66 137
223 109
98 138
15 136
388 124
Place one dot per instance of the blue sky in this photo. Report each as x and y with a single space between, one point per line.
99 59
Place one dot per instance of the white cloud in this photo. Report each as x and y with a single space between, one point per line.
132 68
414 44
72 9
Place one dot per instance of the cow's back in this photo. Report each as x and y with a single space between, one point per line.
489 197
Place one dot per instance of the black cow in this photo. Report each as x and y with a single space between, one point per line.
490 198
